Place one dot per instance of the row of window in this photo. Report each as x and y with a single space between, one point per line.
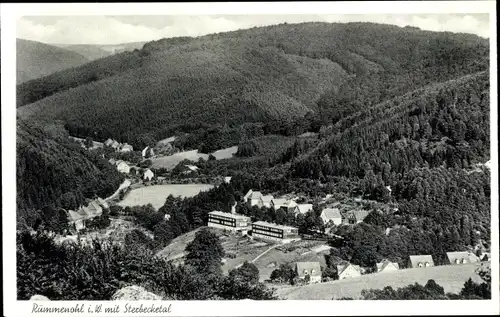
223 222
268 229
267 233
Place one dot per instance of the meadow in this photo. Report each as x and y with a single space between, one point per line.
450 277
171 161
157 194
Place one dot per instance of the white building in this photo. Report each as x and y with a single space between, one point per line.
311 269
122 167
331 215
148 175
274 232
348 271
387 266
302 208
229 221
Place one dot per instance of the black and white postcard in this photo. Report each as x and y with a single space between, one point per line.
242 159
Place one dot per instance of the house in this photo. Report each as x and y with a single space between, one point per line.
486 256
227 179
115 145
148 175
254 199
387 266
265 201
464 257
108 142
420 261
112 161
302 208
311 269
77 219
92 210
126 148
331 215
122 167
274 232
147 151
247 195
193 168
102 203
352 217
228 221
278 203
348 271
291 205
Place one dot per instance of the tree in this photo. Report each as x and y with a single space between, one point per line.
247 273
205 252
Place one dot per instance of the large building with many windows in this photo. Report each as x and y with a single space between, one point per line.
274 232
229 221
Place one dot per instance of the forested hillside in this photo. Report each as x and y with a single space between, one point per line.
53 171
35 60
261 74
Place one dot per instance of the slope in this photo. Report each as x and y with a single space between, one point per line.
260 74
54 171
96 51
35 60
451 277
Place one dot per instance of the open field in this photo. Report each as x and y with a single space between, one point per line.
157 194
451 277
171 161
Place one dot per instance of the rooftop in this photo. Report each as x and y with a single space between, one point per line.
272 225
227 214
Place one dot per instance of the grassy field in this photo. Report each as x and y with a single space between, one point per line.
245 249
171 161
157 194
451 277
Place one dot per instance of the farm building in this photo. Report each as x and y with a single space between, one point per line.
420 261
274 232
122 167
464 257
265 201
229 221
387 266
331 214
352 217
348 271
311 269
302 208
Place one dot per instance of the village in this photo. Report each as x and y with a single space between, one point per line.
272 234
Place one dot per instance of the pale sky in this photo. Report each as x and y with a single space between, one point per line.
124 29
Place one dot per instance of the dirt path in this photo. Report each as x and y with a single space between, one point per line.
269 249
126 183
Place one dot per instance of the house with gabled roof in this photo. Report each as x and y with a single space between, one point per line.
77 219
115 145
331 215
348 271
462 257
147 151
126 148
352 217
148 175
311 269
387 266
485 256
122 167
420 261
254 199
302 208
265 201
278 203
108 142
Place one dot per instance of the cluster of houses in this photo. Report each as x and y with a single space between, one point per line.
124 167
345 271
84 213
328 215
119 147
